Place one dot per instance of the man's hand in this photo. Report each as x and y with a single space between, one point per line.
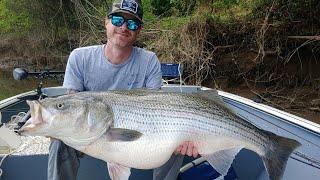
187 148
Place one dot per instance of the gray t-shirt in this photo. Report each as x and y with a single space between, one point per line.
89 70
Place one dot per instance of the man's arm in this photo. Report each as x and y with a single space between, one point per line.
74 73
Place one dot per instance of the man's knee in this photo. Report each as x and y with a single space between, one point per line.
63 162
56 145
62 151
170 170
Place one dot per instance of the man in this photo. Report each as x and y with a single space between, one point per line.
114 65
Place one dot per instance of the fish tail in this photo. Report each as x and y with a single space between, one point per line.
276 157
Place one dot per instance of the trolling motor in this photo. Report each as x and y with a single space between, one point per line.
20 74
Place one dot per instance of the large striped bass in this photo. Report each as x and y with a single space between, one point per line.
142 128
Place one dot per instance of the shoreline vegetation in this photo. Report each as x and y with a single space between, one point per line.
10 87
262 49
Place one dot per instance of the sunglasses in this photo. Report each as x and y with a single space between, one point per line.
132 24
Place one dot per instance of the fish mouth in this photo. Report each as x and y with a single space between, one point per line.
34 121
28 126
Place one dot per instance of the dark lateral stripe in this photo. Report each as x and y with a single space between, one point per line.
135 108
232 128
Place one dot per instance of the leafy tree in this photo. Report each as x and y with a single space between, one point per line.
160 7
13 20
185 7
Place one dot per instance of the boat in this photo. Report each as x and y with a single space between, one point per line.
304 162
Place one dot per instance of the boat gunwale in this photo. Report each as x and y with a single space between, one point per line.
8 101
282 115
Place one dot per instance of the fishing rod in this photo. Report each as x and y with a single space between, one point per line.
20 73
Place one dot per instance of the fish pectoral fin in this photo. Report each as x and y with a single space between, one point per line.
118 172
222 160
120 134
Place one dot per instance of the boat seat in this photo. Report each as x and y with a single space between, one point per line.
172 73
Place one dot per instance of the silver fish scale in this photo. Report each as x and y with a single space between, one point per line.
160 113
165 121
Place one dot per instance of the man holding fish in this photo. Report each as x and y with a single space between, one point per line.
141 128
116 65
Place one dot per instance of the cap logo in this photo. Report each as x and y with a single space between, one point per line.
129 5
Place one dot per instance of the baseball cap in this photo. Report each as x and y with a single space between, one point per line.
133 7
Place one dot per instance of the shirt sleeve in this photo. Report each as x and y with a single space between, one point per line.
154 76
73 78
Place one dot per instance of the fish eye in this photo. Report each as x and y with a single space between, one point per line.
60 105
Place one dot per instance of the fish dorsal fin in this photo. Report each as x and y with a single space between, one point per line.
222 160
135 92
212 95
118 172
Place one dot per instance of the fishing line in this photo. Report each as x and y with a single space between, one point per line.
11 125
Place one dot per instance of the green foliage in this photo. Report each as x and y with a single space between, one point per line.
49 15
225 3
160 7
185 7
228 11
147 11
174 22
13 19
298 10
165 7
